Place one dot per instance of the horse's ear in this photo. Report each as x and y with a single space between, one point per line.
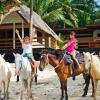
83 53
3 55
14 54
43 51
93 53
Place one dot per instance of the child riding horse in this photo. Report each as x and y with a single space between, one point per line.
62 71
27 49
70 47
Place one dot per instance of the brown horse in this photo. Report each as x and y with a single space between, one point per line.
63 72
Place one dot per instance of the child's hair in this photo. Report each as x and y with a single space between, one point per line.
72 33
26 37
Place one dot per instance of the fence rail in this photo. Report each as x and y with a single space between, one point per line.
85 42
7 43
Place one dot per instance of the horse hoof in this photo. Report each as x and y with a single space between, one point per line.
62 98
1 98
84 95
92 95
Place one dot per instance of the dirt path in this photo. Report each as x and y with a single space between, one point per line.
48 87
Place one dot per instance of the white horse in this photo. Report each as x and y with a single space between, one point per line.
92 63
23 68
5 75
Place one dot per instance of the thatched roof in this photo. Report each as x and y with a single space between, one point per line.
38 23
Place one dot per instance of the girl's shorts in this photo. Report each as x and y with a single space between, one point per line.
28 55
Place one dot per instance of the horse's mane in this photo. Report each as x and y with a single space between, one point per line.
55 52
95 59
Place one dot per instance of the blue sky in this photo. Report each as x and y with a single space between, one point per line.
98 1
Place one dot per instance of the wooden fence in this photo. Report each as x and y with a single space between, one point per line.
7 43
92 42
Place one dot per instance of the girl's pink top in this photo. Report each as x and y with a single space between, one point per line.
71 47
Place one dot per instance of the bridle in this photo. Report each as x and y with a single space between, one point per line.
47 59
46 55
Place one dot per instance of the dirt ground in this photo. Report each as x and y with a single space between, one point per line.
48 87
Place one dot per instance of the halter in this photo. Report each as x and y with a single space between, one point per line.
46 57
48 60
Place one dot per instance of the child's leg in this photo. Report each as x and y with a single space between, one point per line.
32 65
74 57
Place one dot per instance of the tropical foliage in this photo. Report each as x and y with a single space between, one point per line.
73 13
64 13
1 7
62 40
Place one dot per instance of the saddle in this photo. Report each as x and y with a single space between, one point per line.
80 58
69 60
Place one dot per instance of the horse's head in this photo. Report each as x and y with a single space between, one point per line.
87 61
18 63
43 60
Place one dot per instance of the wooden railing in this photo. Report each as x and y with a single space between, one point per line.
7 43
85 39
85 42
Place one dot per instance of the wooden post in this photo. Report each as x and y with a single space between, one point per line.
22 29
49 41
31 19
14 36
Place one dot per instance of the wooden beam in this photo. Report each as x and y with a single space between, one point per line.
10 26
31 19
14 36
22 29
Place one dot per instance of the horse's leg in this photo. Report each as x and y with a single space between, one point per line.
6 89
29 91
0 94
36 75
0 90
95 88
17 79
87 82
62 91
65 88
22 90
92 87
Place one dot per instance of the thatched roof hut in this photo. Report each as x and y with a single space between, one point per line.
18 17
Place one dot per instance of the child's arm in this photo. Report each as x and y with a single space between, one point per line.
67 45
21 40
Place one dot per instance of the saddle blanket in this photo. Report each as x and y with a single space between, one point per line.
68 58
